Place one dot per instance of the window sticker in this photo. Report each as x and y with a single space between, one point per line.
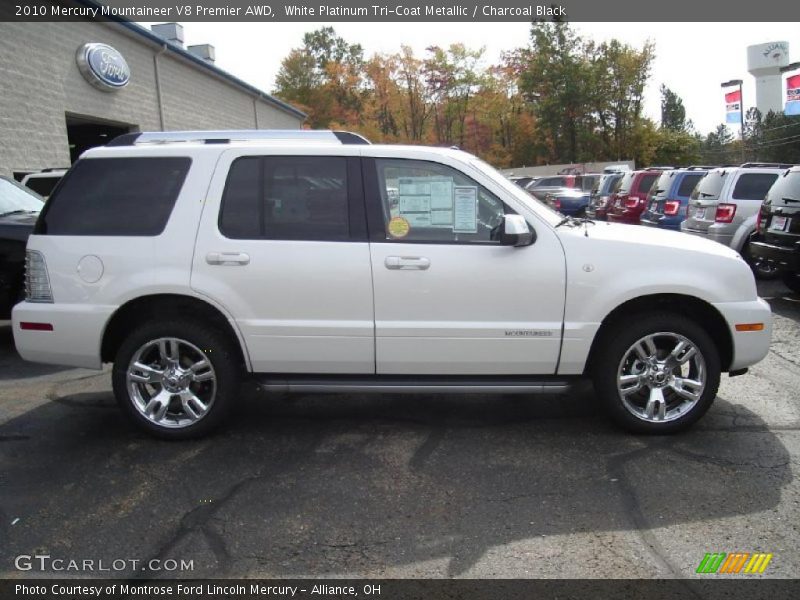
426 201
398 227
465 209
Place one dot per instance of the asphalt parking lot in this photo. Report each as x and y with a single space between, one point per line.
403 486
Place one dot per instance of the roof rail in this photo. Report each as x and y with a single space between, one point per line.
658 168
754 165
701 167
225 137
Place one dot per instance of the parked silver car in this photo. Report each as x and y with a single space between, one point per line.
724 205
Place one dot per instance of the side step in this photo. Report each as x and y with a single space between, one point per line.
370 384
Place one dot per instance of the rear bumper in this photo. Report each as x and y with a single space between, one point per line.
75 339
624 217
749 347
782 257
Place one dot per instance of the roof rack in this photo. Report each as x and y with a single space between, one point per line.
754 165
658 168
701 167
225 137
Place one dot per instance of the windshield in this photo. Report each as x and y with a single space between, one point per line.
624 185
710 186
786 190
14 197
662 185
540 208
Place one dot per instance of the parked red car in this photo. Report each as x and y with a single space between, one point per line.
629 201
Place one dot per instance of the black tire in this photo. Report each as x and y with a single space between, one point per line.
761 269
792 281
218 350
614 347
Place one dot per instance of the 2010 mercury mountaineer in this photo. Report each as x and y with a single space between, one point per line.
317 262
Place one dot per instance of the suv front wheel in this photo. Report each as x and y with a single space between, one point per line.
657 373
176 379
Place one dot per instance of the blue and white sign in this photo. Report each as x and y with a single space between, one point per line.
103 67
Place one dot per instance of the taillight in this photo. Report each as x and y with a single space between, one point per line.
762 219
725 213
671 207
37 283
631 202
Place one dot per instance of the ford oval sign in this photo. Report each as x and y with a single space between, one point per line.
103 67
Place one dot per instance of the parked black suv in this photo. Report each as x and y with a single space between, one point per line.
777 238
19 208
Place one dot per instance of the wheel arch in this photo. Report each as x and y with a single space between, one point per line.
700 311
142 308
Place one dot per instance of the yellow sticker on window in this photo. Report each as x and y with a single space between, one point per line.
398 227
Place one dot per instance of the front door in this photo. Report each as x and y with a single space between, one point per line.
449 298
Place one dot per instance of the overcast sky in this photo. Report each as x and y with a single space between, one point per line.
691 58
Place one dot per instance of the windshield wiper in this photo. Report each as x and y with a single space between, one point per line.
790 199
16 212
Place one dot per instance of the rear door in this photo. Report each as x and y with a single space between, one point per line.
449 299
282 245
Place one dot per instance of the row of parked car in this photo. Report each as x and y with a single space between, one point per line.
20 205
751 207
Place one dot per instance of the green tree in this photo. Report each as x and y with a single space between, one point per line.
673 114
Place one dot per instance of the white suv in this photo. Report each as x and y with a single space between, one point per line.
316 262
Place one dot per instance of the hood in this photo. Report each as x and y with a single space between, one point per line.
654 238
18 226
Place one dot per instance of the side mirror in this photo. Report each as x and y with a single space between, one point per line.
516 231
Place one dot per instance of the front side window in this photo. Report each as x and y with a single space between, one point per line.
116 197
286 198
430 202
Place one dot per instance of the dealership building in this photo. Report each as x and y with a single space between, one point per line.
66 87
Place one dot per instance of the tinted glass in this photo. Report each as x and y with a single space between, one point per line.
753 186
116 196
430 202
42 185
647 182
710 185
14 197
624 185
785 190
550 181
662 185
687 184
286 198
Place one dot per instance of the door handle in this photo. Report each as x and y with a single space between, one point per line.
407 263
227 258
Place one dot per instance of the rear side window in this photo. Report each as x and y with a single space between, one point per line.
115 196
688 183
286 198
646 182
753 186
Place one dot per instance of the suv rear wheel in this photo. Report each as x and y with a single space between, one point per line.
176 379
657 373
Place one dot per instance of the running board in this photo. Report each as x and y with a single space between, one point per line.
412 385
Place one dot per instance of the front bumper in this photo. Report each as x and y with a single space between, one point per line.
749 347
75 339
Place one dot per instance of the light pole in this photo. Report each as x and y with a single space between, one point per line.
732 83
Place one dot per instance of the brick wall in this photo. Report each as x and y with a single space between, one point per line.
40 83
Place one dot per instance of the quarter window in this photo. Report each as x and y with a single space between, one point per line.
286 198
430 202
115 196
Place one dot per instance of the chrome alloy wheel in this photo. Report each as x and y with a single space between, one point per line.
171 382
661 377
